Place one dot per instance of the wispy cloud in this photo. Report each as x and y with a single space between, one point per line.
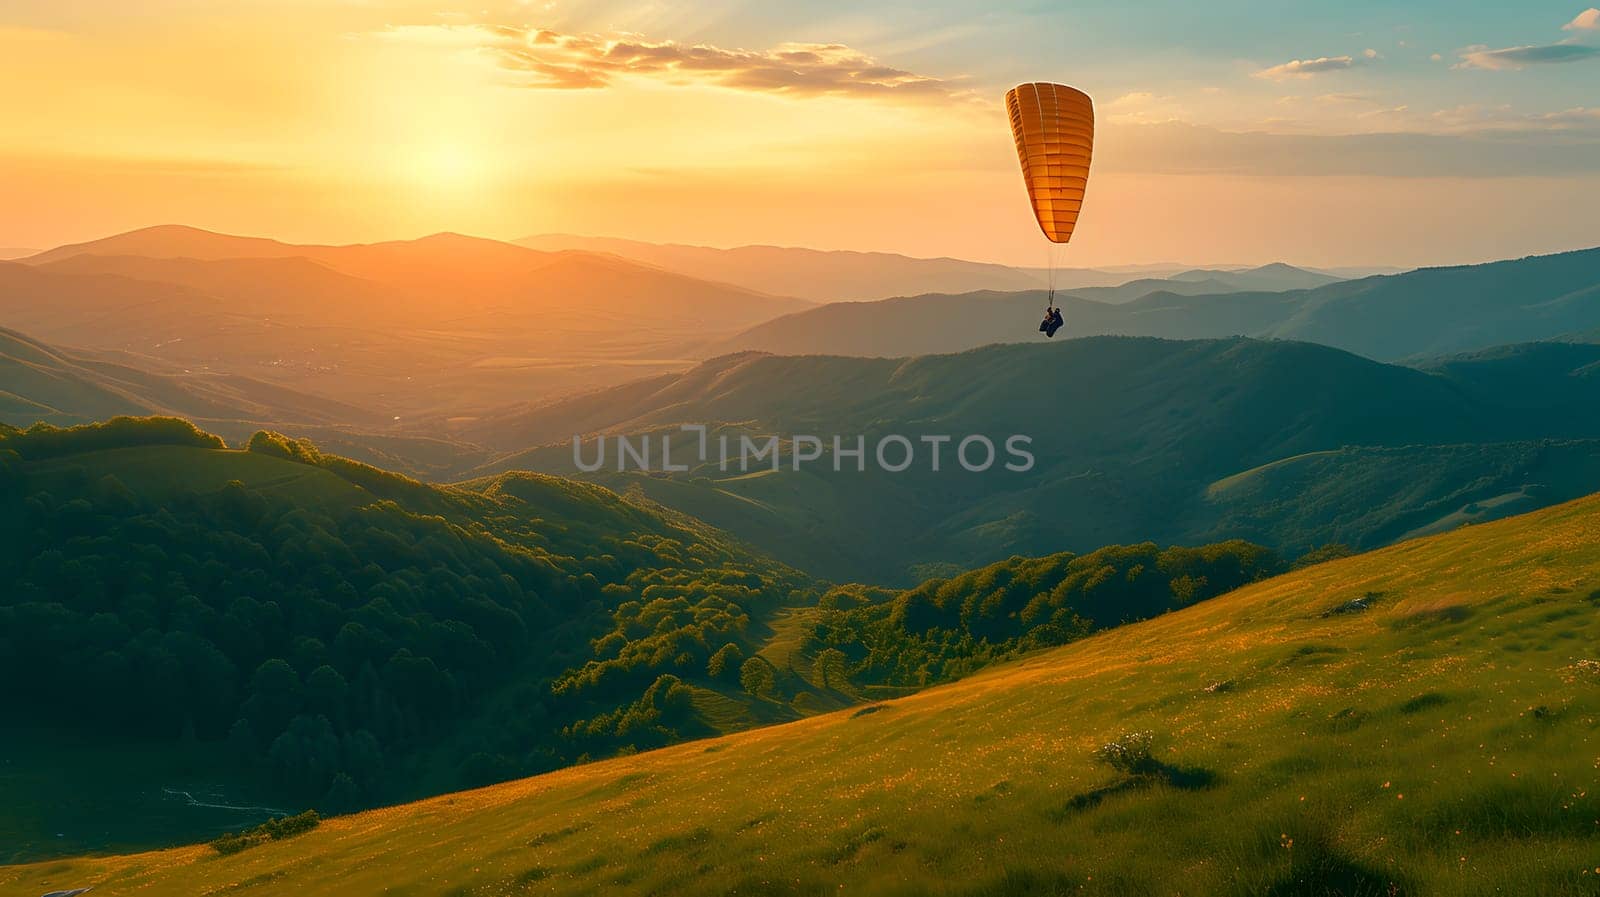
1573 49
1516 58
1307 68
1490 120
551 60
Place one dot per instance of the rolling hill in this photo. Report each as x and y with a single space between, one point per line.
57 386
1418 720
1129 435
44 383
1275 277
1427 312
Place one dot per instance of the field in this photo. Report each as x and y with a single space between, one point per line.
1423 719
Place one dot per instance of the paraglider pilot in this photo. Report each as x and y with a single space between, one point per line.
1052 321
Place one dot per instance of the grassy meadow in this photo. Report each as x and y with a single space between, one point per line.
1424 719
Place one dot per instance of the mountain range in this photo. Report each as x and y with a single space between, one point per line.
828 276
1427 312
445 321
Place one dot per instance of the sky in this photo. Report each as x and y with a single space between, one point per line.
1231 132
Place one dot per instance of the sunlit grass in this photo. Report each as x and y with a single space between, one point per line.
1444 740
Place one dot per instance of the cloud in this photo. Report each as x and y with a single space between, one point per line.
1346 98
1371 53
1579 121
551 60
1306 68
1480 56
1517 58
1135 100
1588 20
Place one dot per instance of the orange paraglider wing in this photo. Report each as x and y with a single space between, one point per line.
1054 128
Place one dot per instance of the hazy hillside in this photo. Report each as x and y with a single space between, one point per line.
1434 311
1430 311
1413 721
45 383
1129 436
828 276
1274 277
445 323
42 382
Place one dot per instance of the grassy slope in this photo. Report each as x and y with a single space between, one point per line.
1443 741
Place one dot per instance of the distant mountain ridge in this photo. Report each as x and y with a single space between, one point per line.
818 275
843 275
1421 313
1275 277
395 327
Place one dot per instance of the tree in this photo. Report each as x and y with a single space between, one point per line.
756 677
724 662
343 796
274 696
326 692
832 668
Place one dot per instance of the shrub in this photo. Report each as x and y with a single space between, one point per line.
1131 754
271 830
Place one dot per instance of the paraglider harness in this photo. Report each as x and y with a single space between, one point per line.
1052 317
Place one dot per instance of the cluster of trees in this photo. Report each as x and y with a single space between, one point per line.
947 628
334 637
685 625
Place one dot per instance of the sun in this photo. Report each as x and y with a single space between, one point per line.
443 167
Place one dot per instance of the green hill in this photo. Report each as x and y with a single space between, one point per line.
1418 720
314 629
1430 311
1129 436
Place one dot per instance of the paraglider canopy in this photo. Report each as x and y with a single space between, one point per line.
1054 128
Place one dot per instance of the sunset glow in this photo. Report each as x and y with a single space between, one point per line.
1399 135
